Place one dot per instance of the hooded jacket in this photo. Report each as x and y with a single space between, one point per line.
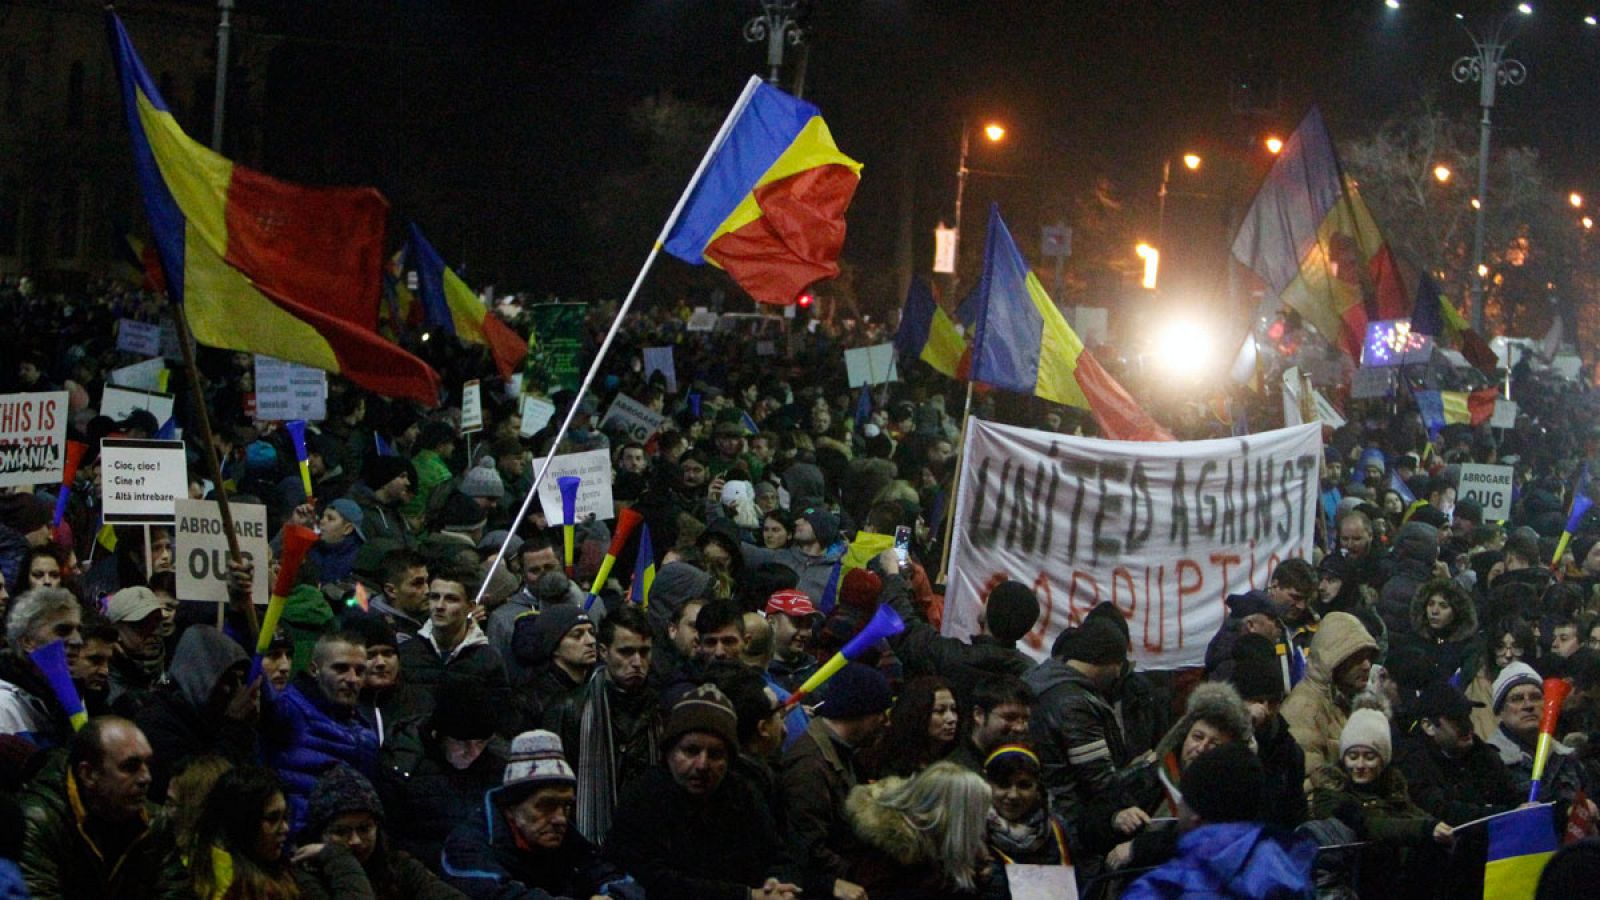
1416 549
180 721
1458 647
1316 711
424 797
483 859
1232 859
1391 824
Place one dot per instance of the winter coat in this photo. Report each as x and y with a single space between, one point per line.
1079 741
306 617
815 571
890 858
13 553
335 561
432 472
1232 859
28 708
1458 649
1392 824
1563 772
682 847
378 521
1315 710
424 797
303 734
60 859
817 775
333 872
482 859
636 722
424 666
12 885
1284 764
181 722
1456 789
1416 549
924 651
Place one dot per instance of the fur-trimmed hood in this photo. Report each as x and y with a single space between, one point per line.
885 829
1464 625
1212 701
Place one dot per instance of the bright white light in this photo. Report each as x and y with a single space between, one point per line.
1183 347
1392 4
1525 8
1591 21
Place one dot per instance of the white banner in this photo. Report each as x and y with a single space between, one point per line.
1165 531
200 544
140 481
594 491
33 438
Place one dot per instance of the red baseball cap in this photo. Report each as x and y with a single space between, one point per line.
791 603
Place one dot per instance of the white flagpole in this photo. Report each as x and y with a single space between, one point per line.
616 324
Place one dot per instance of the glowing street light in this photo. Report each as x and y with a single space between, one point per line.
1591 21
1392 4
1586 222
1152 264
1191 161
1442 173
1476 204
1525 8
995 132
1576 199
1274 145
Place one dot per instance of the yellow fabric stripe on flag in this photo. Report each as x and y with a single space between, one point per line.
812 147
1515 878
197 178
225 310
862 550
945 345
466 310
1059 347
1317 293
1456 410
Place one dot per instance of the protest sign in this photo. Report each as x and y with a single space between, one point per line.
471 407
659 359
1031 882
286 390
144 376
1372 383
702 319
1567 365
870 365
169 340
554 347
1165 531
632 418
119 402
1505 414
1391 342
33 438
536 414
1325 410
594 494
1293 403
140 481
1489 487
200 545
138 338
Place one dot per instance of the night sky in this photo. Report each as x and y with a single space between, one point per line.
494 124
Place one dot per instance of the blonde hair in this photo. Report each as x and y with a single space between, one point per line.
191 786
946 805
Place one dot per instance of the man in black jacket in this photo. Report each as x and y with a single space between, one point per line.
1259 677
207 709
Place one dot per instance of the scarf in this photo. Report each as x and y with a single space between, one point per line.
597 761
1022 840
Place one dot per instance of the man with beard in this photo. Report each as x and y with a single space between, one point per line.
1338 664
611 726
205 710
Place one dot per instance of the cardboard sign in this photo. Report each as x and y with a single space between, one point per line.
286 390
471 407
870 365
632 418
659 359
536 414
1293 412
138 338
141 481
1371 383
1505 414
1490 487
594 494
33 438
702 319
119 402
1325 410
200 547
144 376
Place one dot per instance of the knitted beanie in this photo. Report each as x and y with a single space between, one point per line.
537 635
703 709
1518 673
857 690
1367 728
1011 612
340 790
483 481
536 758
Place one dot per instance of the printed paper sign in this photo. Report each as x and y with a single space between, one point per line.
1165 531
536 414
471 407
33 438
201 547
1293 412
702 319
118 403
144 376
594 493
870 365
140 481
659 359
138 338
286 390
1505 414
1325 410
1490 487
1041 882
632 418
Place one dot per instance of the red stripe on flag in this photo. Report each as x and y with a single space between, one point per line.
1480 405
1120 418
797 239
505 347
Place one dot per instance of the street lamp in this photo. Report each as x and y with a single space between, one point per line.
1489 67
1576 199
1191 161
1274 145
994 133
1442 173
778 25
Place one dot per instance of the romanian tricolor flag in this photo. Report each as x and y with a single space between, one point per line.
1311 239
644 569
448 304
1020 342
262 265
769 204
1441 408
1434 315
927 332
1520 843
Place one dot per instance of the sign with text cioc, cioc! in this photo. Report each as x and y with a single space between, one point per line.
141 481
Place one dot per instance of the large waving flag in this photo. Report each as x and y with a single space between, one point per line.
769 208
1441 408
262 265
1434 315
1021 342
450 305
1520 843
927 333
1310 237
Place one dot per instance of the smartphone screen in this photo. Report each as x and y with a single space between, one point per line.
902 543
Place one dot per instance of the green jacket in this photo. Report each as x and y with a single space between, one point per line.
59 859
432 471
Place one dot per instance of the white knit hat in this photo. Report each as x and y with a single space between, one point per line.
1517 673
1367 728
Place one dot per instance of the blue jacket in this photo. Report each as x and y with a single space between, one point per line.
303 736
482 859
1233 859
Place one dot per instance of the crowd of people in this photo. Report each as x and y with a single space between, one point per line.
435 719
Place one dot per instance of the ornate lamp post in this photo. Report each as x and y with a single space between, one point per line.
778 25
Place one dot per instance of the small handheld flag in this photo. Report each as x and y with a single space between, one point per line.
569 506
644 569
1555 694
627 521
1520 843
885 623
75 451
1580 508
297 436
52 662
